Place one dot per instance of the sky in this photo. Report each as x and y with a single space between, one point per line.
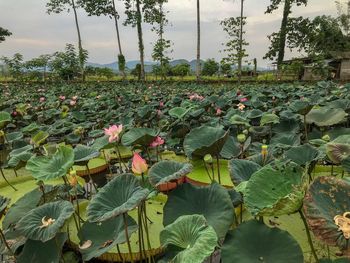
35 32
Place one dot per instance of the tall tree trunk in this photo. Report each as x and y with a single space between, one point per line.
198 69
161 31
240 55
115 15
139 34
81 53
283 33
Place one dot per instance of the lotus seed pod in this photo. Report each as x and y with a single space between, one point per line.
246 132
264 150
326 138
241 138
208 159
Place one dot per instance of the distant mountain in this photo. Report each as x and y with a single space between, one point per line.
149 64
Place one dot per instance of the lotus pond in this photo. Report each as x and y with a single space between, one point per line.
105 172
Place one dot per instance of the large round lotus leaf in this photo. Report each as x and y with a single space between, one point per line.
193 239
14 136
3 204
5 118
303 154
346 164
271 192
31 128
259 130
43 223
102 143
119 196
39 138
253 114
242 170
337 152
254 242
301 107
168 171
285 140
231 148
23 205
139 136
213 202
178 112
326 198
45 168
269 118
325 116
104 236
20 150
83 153
205 140
239 120
36 251
19 160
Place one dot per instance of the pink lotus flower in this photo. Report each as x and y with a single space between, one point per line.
72 102
14 113
157 142
74 97
113 132
241 106
218 112
62 97
98 96
243 100
139 165
195 96
161 104
42 99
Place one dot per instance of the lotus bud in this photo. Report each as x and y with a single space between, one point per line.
208 159
264 150
241 138
246 132
139 165
2 134
326 138
73 181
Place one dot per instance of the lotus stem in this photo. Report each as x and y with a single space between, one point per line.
218 167
305 128
5 242
206 169
141 237
108 164
87 168
120 254
78 209
308 235
127 236
3 176
119 158
15 172
146 230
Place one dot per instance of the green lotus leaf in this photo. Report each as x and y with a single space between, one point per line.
21 150
23 205
285 140
96 133
231 148
45 168
119 196
269 118
79 116
5 118
193 238
104 236
83 154
239 120
242 170
253 241
301 107
303 154
39 138
255 113
36 251
326 198
346 164
31 128
205 140
168 171
259 130
44 222
272 192
3 204
139 136
213 202
337 152
102 143
325 116
14 136
19 160
178 112
72 138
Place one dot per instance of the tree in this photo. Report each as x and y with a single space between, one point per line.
14 64
242 22
162 45
107 8
181 70
278 40
225 68
4 33
198 65
344 16
235 47
67 64
210 67
137 71
39 63
58 6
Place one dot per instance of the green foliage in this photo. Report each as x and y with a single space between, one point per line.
4 33
100 72
181 70
15 64
210 67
